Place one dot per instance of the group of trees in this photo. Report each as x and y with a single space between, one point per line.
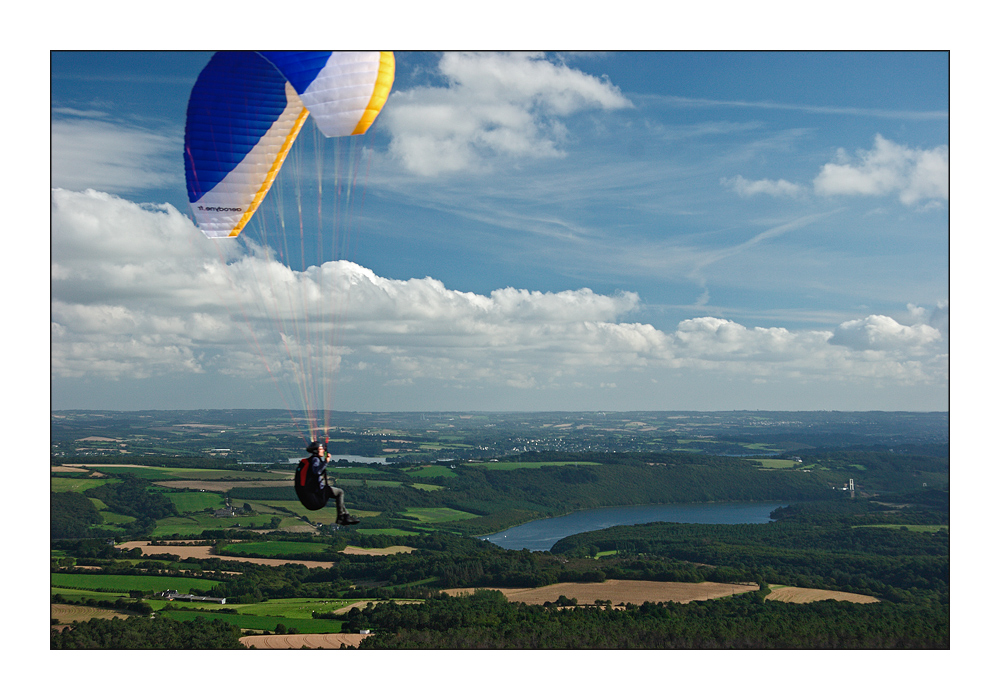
71 515
138 632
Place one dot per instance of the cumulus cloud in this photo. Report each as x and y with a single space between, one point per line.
878 332
110 156
749 188
888 168
138 292
496 104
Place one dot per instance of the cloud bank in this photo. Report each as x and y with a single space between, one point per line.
137 291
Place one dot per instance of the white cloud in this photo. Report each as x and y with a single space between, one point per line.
748 188
496 104
884 333
139 292
112 157
888 168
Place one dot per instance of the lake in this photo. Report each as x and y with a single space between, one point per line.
540 535
333 459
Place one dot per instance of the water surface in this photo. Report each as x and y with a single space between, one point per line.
540 535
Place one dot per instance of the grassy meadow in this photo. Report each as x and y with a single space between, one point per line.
123 583
436 515
272 549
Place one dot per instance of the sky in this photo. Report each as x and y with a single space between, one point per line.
669 230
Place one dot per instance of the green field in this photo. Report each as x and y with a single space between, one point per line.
326 516
79 595
426 487
109 518
911 528
120 583
779 463
260 507
61 484
258 622
194 501
272 549
293 608
534 465
430 471
195 523
436 515
371 483
335 471
171 473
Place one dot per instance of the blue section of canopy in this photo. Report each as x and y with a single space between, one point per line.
237 97
300 68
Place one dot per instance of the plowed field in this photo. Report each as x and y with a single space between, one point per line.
297 641
76 613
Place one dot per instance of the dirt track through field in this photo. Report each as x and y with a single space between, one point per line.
205 552
297 641
620 591
793 594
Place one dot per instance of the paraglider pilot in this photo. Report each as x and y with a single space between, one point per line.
317 464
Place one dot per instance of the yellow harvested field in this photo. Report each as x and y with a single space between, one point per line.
297 641
205 552
793 594
620 591
68 469
380 552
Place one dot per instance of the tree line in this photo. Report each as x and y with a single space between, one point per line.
138 632
486 620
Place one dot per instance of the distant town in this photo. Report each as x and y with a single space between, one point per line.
274 436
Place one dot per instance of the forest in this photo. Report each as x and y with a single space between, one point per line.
486 620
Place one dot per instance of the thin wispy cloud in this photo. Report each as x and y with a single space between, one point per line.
916 115
112 156
750 188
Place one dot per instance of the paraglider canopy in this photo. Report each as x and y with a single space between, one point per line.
246 109
244 114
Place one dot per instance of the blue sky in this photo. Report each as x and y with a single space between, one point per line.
581 231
